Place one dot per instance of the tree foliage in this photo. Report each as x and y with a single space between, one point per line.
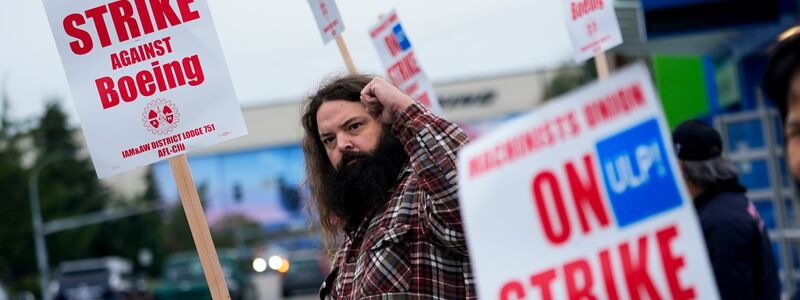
68 187
569 78
48 152
16 240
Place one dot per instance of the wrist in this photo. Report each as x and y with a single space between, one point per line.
403 105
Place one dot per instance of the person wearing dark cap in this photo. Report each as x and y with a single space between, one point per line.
737 242
782 86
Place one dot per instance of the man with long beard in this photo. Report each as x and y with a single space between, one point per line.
382 174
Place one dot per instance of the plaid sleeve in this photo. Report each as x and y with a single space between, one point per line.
432 144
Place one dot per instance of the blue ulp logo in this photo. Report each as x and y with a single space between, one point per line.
400 35
632 170
637 175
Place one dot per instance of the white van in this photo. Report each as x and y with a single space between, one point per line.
98 278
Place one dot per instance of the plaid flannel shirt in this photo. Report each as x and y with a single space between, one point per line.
414 248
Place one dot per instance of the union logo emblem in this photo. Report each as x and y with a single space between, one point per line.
160 116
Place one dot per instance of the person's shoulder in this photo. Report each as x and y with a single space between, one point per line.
727 203
730 211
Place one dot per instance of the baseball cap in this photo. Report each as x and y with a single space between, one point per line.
694 140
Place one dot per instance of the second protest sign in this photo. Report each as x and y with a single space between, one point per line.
402 67
582 199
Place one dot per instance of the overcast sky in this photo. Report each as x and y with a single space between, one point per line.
275 53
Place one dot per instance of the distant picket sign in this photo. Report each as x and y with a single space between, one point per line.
149 80
582 199
593 27
329 21
400 62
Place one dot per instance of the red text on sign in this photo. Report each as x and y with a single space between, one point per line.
141 53
129 21
577 278
177 148
331 26
404 69
147 82
584 7
549 200
616 104
392 44
171 144
391 19
540 136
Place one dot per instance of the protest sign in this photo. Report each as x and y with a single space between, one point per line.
593 27
583 199
402 67
148 79
331 27
328 19
150 82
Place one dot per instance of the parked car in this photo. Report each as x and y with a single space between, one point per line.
307 269
105 278
182 277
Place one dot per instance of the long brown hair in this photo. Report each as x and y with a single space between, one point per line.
317 163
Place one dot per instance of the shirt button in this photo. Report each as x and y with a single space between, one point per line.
351 259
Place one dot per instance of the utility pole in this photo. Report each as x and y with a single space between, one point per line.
41 229
38 225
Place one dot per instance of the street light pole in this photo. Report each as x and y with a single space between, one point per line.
38 226
41 229
38 233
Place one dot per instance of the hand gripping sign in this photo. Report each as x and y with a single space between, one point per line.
582 199
150 83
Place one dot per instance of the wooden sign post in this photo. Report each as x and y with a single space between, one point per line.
593 29
348 61
331 26
601 63
201 235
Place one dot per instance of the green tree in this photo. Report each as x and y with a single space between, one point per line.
152 238
128 236
17 261
569 78
68 185
226 230
176 236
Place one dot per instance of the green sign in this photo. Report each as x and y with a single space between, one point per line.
681 84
